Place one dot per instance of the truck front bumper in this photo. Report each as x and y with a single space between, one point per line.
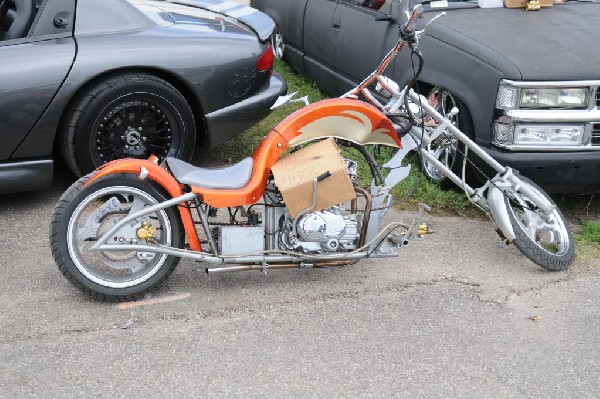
556 172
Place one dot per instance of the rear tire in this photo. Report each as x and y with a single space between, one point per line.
127 116
84 213
548 244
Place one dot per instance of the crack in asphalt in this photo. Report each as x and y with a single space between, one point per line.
261 307
242 309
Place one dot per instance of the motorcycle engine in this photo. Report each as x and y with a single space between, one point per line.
328 230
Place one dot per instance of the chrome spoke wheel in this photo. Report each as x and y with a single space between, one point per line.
545 238
445 147
278 44
549 232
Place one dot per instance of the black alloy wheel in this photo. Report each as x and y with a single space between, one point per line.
128 116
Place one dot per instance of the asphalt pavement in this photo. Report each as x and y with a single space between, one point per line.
457 315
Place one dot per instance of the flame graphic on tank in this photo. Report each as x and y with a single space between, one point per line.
354 126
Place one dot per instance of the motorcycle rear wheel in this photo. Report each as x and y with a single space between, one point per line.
548 243
85 213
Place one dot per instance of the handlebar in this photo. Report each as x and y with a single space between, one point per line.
407 36
409 26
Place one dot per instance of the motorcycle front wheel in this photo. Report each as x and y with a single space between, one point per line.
545 239
85 213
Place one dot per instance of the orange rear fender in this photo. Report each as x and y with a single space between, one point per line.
343 118
160 176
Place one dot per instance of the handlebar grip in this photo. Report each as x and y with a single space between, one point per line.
410 24
324 176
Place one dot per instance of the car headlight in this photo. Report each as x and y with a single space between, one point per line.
563 97
525 135
513 97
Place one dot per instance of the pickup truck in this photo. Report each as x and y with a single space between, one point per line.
525 82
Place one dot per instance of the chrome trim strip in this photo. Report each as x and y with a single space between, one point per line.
550 84
547 116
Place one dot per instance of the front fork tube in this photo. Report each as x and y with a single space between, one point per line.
505 178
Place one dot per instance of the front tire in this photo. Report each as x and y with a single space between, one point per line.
548 243
85 213
128 116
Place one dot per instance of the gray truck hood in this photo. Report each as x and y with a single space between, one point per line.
558 43
259 22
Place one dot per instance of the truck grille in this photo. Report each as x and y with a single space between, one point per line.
596 134
598 97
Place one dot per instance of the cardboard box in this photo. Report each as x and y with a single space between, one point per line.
522 3
294 176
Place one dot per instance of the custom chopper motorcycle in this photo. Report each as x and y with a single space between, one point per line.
121 230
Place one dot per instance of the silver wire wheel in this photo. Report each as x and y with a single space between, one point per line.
445 147
278 44
99 212
545 239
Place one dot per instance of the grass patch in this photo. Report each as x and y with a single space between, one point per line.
417 189
590 233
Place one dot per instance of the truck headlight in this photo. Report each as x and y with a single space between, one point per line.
507 97
563 97
548 136
538 136
513 95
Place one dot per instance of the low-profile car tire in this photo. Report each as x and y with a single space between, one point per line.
449 151
133 115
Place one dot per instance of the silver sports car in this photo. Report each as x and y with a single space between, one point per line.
93 81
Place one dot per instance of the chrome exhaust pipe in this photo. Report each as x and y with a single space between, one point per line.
280 266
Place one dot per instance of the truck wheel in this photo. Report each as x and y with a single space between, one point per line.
128 116
278 44
447 149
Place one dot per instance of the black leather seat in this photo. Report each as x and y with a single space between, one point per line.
16 17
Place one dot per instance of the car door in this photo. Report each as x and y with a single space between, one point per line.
362 33
318 18
32 69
